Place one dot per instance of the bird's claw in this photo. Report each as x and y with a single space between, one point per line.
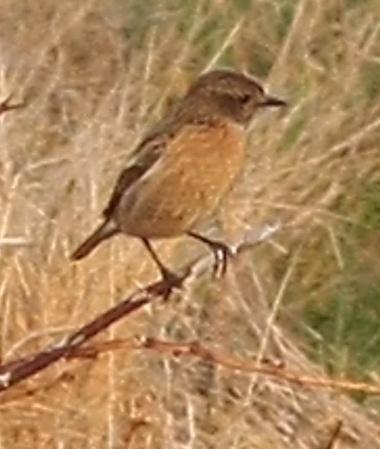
222 253
170 281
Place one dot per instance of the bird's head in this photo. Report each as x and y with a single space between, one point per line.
232 94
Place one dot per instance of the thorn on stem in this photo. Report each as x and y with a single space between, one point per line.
5 105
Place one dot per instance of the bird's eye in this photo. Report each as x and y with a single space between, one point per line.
245 98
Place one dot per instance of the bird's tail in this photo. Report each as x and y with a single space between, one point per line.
103 232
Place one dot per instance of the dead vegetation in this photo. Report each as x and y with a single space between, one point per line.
94 76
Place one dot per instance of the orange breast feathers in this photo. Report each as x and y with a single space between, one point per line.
195 171
207 156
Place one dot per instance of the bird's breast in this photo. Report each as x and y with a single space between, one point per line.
197 169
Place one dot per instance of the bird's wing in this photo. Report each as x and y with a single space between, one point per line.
142 159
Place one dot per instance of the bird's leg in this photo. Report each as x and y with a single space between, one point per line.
170 279
220 250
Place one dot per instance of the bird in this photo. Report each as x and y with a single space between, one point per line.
184 166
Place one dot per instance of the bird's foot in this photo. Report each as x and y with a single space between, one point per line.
169 281
222 253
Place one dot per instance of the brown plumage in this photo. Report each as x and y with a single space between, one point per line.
178 174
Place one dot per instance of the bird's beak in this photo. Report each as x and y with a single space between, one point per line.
273 102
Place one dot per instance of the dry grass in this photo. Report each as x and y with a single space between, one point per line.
96 75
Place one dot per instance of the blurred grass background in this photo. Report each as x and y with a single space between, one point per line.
95 76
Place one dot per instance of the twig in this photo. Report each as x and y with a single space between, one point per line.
5 106
249 366
14 372
195 349
335 435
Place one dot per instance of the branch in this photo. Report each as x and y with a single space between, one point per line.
14 372
197 350
266 367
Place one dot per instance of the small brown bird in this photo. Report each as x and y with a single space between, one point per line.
185 165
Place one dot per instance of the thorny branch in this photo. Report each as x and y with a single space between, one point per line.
72 346
266 367
272 368
14 372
